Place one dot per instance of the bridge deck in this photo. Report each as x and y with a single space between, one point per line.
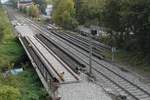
58 66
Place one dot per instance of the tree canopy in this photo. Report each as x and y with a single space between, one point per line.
9 93
64 14
42 4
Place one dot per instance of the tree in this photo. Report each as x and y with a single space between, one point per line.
136 17
49 1
89 11
35 11
111 20
64 14
120 18
32 10
42 4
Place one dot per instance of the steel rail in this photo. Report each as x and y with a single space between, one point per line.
141 89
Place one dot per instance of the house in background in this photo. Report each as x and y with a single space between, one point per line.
24 3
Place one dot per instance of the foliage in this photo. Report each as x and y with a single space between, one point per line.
9 51
64 14
34 10
129 16
42 4
35 90
49 1
31 11
9 93
30 85
9 47
120 18
25 86
91 9
135 15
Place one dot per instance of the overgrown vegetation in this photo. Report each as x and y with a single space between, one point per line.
26 85
64 14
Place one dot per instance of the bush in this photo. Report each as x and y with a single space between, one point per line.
9 93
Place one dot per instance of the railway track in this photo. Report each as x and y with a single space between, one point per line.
36 59
84 46
78 40
69 60
64 67
132 90
98 46
42 56
81 44
111 77
136 92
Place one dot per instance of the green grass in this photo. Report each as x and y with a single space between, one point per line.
32 88
10 51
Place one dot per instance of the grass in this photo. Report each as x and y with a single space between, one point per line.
26 85
132 61
10 51
30 86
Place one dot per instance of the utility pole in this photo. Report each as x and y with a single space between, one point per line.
90 54
91 34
